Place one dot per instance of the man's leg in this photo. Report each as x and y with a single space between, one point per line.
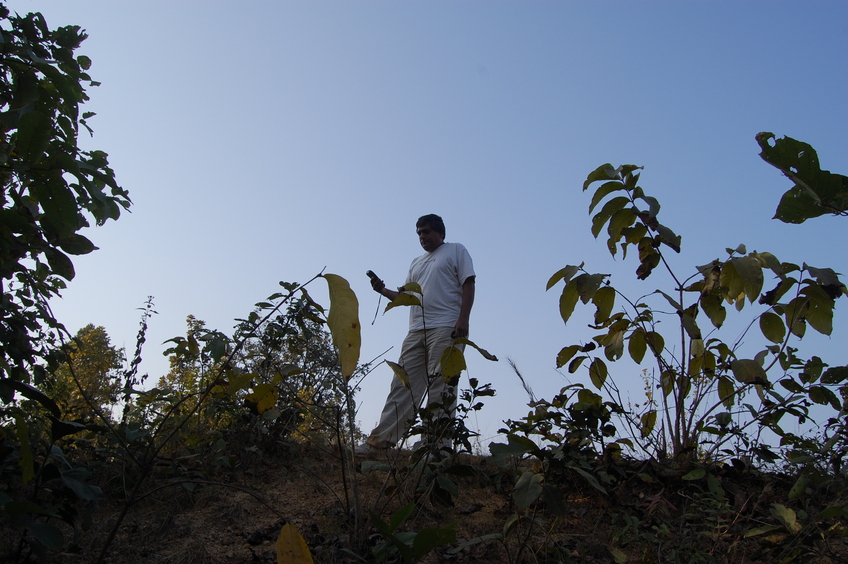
441 395
402 403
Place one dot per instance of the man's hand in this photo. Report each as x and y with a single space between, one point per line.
460 330
378 285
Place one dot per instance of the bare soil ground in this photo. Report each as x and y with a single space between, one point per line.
235 516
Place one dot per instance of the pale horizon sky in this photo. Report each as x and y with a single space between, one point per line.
267 141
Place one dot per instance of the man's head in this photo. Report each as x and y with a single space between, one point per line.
431 232
435 222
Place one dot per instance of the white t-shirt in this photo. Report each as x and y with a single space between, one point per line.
441 275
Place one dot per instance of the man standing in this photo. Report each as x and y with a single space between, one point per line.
445 274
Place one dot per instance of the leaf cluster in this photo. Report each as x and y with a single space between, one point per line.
692 365
816 192
50 189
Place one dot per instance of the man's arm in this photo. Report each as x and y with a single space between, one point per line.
380 287
461 327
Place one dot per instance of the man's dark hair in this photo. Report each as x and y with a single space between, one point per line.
435 222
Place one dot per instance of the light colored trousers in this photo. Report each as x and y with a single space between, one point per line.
420 358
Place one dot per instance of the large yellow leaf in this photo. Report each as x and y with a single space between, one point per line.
486 354
400 373
403 299
343 321
452 363
264 396
291 548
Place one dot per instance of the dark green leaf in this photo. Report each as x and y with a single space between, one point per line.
400 516
32 393
619 221
603 172
593 481
567 300
655 342
726 391
516 446
606 213
687 319
835 375
34 133
575 364
799 488
791 385
566 354
605 189
589 397
527 489
712 306
816 191
598 373
824 276
653 205
60 264
447 484
76 244
587 285
614 341
820 309
564 274
732 285
59 205
74 479
695 474
824 396
59 429
750 270
672 301
668 237
637 346
604 300
748 372
772 327
648 421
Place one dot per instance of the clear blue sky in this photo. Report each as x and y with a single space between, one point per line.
265 141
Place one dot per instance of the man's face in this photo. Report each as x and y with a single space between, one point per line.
430 240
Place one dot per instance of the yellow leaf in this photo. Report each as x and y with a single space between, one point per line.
264 396
403 299
486 354
412 287
343 321
291 548
400 373
267 401
452 363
